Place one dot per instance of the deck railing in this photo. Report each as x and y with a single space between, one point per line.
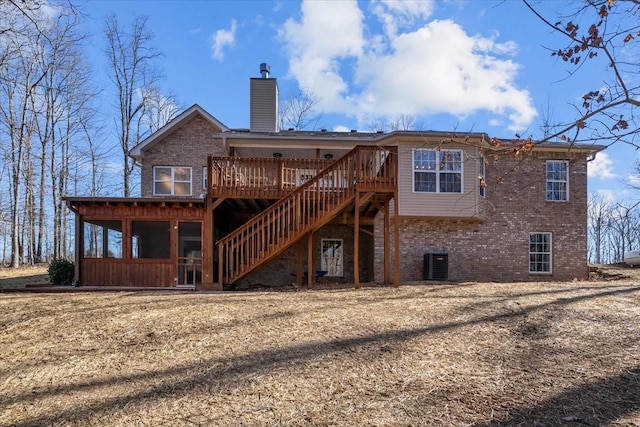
260 177
308 207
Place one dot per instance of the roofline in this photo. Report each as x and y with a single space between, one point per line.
374 138
84 200
553 146
339 136
136 152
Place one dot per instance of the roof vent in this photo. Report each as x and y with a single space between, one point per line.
264 70
323 130
380 131
354 130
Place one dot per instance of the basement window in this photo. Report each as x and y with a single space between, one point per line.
540 253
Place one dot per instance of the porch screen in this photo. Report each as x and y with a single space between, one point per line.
102 239
150 239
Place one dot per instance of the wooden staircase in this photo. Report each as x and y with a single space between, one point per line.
369 169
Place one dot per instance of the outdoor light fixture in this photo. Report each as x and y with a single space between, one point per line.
328 156
277 155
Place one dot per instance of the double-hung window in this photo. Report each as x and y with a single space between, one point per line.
204 178
540 253
171 181
557 180
437 171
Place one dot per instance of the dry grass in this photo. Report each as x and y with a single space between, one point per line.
481 354
17 278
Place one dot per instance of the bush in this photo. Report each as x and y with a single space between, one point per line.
61 272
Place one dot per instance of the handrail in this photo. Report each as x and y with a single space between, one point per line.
309 206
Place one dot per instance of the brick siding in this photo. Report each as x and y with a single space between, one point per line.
187 146
280 270
497 249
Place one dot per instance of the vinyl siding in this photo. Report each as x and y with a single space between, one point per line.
441 205
264 105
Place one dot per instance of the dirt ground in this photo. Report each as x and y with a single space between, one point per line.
466 354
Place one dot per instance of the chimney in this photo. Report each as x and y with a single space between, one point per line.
264 70
264 102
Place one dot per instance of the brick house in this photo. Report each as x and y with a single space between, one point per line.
223 206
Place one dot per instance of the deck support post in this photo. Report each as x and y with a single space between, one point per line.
310 268
299 249
356 242
387 246
396 235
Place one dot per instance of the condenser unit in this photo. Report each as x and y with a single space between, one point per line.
436 267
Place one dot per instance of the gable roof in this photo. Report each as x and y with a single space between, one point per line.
175 123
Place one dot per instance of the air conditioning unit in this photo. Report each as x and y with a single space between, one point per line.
436 267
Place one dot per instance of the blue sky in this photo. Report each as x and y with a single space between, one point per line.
468 65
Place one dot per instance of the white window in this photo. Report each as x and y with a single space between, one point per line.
437 171
204 178
557 180
540 253
482 183
171 181
332 257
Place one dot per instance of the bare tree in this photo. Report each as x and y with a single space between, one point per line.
598 217
606 32
399 122
19 77
158 109
131 69
299 111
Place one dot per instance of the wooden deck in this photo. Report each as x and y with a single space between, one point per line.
246 177
312 193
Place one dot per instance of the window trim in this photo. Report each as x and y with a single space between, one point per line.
173 181
437 172
550 253
547 180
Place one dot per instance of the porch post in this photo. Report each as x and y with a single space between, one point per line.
79 241
207 244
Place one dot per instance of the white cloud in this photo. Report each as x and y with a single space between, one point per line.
633 180
436 68
400 14
222 39
601 167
